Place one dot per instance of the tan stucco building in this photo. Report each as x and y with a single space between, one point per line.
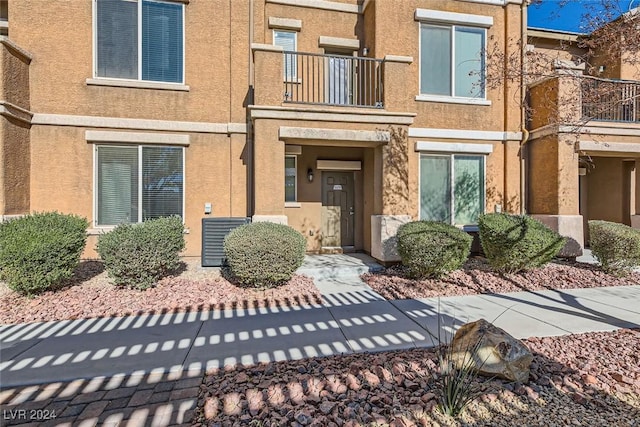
341 118
584 145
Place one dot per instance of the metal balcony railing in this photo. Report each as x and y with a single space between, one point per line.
610 100
332 80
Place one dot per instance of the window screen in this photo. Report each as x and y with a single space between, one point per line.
290 179
138 183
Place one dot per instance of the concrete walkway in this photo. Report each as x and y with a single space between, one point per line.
170 352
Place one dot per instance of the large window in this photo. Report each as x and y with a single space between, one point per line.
137 183
452 188
290 178
139 40
287 39
452 61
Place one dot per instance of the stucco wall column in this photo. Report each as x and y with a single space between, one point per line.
511 176
15 128
268 74
268 169
635 218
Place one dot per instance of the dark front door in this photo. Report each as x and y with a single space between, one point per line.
337 209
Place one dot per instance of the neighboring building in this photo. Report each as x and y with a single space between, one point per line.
341 118
584 143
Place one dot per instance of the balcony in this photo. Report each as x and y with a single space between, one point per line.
332 80
610 100
302 81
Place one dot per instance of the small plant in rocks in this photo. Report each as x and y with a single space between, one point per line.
432 249
39 251
459 385
514 243
615 246
138 255
264 254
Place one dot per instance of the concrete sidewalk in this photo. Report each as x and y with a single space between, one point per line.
348 322
164 356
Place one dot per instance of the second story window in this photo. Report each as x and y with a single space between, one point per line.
139 40
452 60
287 39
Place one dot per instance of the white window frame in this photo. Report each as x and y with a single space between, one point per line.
294 75
295 179
94 13
451 19
452 97
140 181
452 182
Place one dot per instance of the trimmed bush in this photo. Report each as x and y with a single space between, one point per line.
615 246
138 255
264 254
432 249
514 243
38 252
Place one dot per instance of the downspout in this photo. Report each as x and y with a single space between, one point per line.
251 179
523 98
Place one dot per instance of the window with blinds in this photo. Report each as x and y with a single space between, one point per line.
452 188
287 39
140 40
452 60
138 183
290 178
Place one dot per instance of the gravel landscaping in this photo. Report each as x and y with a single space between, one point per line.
476 277
589 379
90 293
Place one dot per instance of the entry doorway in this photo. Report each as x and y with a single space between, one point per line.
338 212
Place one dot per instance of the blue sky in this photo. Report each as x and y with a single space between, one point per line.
568 17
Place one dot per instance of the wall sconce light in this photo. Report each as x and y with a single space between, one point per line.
365 51
310 174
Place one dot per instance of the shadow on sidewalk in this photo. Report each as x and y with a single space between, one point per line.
157 398
196 341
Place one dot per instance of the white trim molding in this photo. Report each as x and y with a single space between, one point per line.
339 43
439 16
263 47
276 23
102 136
339 165
136 84
480 135
321 134
398 58
293 150
453 147
494 2
452 99
333 115
612 147
20 52
12 111
138 124
320 4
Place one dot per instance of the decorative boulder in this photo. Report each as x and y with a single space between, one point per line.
491 351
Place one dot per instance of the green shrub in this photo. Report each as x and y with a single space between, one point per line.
432 249
514 243
264 254
39 251
138 255
615 246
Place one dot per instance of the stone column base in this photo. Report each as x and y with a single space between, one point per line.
383 236
278 219
569 226
635 221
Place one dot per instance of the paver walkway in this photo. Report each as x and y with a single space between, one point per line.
147 369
